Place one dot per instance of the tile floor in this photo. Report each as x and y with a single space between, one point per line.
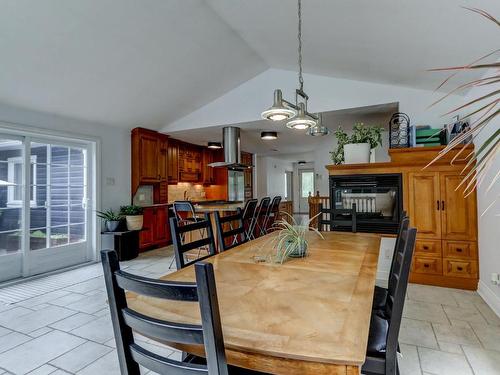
68 330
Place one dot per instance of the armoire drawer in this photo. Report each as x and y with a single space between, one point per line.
459 249
428 248
460 268
431 266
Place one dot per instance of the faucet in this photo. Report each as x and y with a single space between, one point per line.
186 195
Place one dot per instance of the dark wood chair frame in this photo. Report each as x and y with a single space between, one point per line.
271 214
260 212
332 222
180 246
235 233
393 311
249 214
126 320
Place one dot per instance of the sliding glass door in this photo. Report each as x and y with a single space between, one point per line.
44 195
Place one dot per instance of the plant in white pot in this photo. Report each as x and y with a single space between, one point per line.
133 216
356 148
111 219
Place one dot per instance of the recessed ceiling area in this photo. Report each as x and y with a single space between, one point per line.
291 141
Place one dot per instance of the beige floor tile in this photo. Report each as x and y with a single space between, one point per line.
417 332
431 294
488 313
483 362
466 297
409 363
468 313
108 365
429 312
80 357
488 335
455 334
437 362
449 347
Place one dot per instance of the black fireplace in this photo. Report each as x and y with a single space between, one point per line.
378 199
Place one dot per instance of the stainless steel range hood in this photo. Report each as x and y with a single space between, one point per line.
232 149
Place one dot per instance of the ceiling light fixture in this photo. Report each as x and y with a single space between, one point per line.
318 130
268 135
282 109
214 145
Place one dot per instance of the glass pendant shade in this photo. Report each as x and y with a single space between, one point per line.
317 131
278 111
302 121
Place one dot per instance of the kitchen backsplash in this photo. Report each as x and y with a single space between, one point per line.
194 191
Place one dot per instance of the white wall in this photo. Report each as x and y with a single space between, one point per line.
247 101
114 145
271 179
489 223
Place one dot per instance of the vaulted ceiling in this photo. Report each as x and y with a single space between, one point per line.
150 62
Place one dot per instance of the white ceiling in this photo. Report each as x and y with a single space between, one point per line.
150 62
291 142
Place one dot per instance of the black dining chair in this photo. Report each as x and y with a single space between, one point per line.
181 247
337 218
380 294
235 235
126 321
382 348
248 214
260 212
272 214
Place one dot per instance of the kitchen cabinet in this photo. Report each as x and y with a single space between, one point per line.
173 162
156 231
208 172
149 158
190 169
424 200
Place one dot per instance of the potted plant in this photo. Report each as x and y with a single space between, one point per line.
111 219
356 148
133 216
291 241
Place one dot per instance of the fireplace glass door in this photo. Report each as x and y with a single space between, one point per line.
378 200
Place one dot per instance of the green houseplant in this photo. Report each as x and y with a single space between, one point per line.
291 241
356 147
133 216
111 219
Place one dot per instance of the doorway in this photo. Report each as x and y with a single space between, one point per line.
306 187
45 190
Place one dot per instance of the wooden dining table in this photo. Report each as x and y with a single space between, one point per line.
308 315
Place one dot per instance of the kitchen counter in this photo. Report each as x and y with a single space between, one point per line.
218 206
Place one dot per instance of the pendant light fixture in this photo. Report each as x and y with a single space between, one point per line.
318 130
268 136
297 113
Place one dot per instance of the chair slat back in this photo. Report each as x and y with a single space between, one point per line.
272 213
183 207
126 320
337 218
398 293
235 235
260 212
399 246
181 246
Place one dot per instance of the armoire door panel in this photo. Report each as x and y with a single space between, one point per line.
424 203
458 214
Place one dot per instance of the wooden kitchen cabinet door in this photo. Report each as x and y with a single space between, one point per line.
163 160
148 154
160 225
173 162
424 203
146 236
458 214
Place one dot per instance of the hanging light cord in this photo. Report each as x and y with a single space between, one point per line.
299 36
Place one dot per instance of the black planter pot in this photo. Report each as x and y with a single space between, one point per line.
112 226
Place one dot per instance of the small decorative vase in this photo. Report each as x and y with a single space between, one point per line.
112 226
356 153
299 250
134 222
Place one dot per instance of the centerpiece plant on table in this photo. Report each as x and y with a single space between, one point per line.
290 240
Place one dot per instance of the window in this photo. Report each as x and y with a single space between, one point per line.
15 178
307 184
